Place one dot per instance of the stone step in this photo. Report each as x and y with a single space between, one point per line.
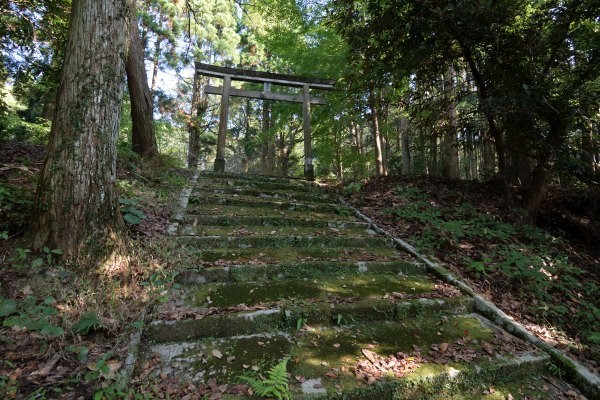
315 242
274 256
272 221
259 230
329 289
289 318
248 273
273 194
266 211
406 356
264 183
250 201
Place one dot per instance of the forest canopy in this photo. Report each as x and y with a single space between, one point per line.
503 90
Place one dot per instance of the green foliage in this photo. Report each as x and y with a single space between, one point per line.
15 205
478 268
343 211
100 369
7 307
159 282
88 322
8 385
131 214
33 316
555 370
81 351
524 257
352 188
275 385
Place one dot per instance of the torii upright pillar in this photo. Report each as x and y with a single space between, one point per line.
223 117
309 171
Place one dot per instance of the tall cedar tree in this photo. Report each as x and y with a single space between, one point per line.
143 137
76 202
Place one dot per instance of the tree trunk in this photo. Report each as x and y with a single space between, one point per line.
539 178
587 147
338 155
432 165
489 159
143 138
379 165
193 131
450 139
76 200
355 147
405 144
265 165
198 108
155 63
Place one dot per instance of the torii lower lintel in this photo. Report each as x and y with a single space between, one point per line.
267 78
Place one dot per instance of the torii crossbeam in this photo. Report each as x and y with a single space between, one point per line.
267 79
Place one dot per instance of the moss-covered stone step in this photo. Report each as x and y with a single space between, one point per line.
455 350
311 269
288 318
273 194
330 289
272 221
250 201
258 178
284 241
270 256
264 184
260 230
225 211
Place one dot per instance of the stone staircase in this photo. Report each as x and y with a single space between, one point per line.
282 271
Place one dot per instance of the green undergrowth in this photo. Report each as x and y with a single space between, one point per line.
83 309
528 261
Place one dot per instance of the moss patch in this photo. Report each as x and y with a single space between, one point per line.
361 287
200 361
290 254
267 212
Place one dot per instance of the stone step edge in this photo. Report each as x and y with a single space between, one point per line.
249 220
261 241
329 207
230 273
281 318
580 375
259 178
184 199
264 194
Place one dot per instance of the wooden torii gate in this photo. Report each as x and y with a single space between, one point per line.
267 79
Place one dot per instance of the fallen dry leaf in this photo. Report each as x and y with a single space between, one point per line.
217 353
371 356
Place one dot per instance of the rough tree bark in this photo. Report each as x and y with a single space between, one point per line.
450 139
379 164
587 147
355 147
76 200
143 137
405 144
267 148
198 108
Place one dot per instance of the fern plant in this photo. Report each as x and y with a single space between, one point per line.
275 385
